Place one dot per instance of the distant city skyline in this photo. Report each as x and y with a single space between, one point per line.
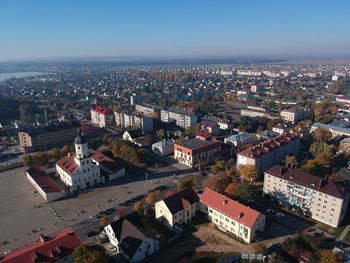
180 29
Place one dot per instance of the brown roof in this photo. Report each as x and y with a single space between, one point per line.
268 146
231 208
308 180
47 182
181 200
67 163
107 162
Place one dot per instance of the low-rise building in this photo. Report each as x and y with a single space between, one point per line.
253 111
270 152
194 151
56 248
337 131
240 140
211 127
223 124
110 169
134 136
282 129
129 239
319 198
177 208
231 216
47 137
182 118
46 184
164 147
102 117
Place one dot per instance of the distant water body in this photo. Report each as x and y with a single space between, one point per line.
17 75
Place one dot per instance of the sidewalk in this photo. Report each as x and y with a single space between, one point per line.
344 233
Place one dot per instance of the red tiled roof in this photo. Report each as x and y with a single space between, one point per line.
308 180
102 110
107 162
268 145
233 209
67 163
45 249
45 181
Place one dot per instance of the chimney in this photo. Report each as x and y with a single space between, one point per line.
225 202
42 238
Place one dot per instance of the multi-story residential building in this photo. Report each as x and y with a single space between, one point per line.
244 72
78 171
128 119
282 129
148 110
194 151
46 137
181 117
136 99
294 115
130 240
270 152
231 216
102 117
177 208
323 200
343 99
56 248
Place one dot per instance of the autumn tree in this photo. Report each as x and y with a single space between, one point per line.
28 160
153 197
248 172
104 221
219 166
318 148
231 189
212 183
322 135
328 256
85 253
246 191
55 153
291 161
185 182
121 212
161 134
138 207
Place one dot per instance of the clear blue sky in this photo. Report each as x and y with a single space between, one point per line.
173 28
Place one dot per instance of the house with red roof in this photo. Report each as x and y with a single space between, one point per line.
56 248
103 117
177 208
46 184
231 216
110 169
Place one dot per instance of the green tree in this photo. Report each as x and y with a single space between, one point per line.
55 153
246 191
276 258
90 254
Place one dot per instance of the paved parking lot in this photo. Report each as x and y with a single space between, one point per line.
21 223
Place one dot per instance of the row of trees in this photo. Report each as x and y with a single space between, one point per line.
43 158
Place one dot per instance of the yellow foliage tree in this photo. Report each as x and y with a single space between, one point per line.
249 172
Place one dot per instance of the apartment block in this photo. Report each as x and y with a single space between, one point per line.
148 110
231 216
270 152
128 119
294 115
319 198
252 111
47 137
194 151
103 117
182 118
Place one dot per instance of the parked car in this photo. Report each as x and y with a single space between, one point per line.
279 215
